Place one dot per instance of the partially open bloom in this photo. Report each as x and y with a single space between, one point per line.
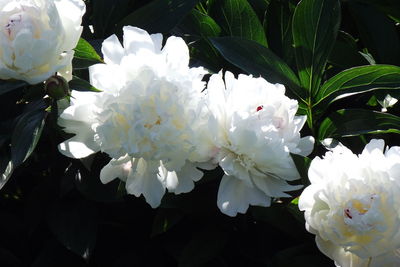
352 205
38 37
147 118
254 130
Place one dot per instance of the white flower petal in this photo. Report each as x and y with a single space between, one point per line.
112 50
39 37
183 180
234 196
351 205
254 129
143 180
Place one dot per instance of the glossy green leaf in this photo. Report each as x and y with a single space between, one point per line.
85 50
26 134
258 60
75 226
302 164
237 18
349 122
90 186
315 27
379 35
279 26
85 55
357 80
79 84
106 14
6 166
260 7
201 24
159 15
345 52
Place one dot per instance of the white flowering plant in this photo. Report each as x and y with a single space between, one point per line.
199 133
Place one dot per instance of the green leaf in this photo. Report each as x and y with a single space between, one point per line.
79 84
238 18
355 81
84 50
349 122
75 226
85 55
10 85
345 52
302 164
106 14
379 35
257 60
159 15
201 24
315 27
26 134
164 220
6 166
260 7
279 25
90 186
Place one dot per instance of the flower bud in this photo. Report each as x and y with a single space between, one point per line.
57 87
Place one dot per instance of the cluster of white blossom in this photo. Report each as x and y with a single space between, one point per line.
38 37
159 124
162 124
352 205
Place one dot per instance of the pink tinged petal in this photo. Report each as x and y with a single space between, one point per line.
112 50
136 39
234 196
143 180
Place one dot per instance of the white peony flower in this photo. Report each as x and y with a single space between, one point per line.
37 38
387 102
352 205
148 118
254 130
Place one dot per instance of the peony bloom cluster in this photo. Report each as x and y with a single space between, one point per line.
158 124
254 130
147 117
38 38
352 205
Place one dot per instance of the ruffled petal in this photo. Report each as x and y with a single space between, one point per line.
144 180
234 196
